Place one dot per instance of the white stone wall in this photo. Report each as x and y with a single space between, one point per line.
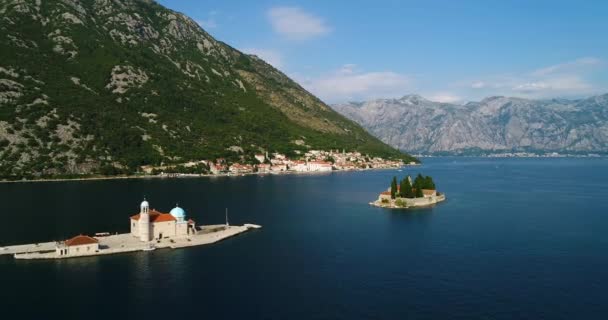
181 229
85 249
167 228
415 202
384 196
134 227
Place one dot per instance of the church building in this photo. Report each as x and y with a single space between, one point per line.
150 225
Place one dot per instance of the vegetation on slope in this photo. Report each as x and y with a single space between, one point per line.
105 86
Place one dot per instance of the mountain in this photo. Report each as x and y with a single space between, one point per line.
108 85
495 124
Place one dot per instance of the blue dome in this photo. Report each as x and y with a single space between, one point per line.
178 213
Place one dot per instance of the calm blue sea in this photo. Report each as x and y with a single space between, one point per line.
516 239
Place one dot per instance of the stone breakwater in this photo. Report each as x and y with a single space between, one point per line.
125 242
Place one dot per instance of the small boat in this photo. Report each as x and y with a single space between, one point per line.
149 248
102 234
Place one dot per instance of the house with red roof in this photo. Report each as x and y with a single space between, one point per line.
79 245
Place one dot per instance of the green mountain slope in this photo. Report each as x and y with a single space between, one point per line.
96 84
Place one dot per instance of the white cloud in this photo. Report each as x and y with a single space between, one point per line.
296 24
207 24
569 78
570 66
348 84
210 22
444 97
478 85
272 57
567 84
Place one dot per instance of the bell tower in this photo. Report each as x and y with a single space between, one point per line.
144 221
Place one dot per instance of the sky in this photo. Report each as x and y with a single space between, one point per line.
448 51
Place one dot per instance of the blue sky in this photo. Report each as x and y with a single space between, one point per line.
452 51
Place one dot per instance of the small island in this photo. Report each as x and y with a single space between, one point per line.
407 194
150 230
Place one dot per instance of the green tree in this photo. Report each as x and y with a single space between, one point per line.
401 203
419 193
393 188
408 192
428 183
402 188
419 181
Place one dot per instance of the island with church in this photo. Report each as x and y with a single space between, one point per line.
150 230
406 193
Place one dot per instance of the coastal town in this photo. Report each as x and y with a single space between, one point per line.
313 161
420 192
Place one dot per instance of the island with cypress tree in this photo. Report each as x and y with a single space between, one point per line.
409 194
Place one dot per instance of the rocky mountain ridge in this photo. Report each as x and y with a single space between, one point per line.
492 125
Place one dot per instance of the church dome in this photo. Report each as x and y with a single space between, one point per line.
144 204
178 213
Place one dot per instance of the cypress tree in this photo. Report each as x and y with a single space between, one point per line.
429 183
393 187
419 182
419 193
408 192
402 188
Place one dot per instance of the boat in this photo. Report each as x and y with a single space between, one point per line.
150 247
102 234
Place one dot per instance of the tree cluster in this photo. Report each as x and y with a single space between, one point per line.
424 182
410 190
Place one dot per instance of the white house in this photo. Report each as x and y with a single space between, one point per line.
299 166
260 157
77 246
322 166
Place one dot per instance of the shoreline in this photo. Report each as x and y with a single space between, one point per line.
125 243
413 203
187 175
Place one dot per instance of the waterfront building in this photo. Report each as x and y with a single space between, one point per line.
79 245
299 166
384 196
263 168
260 157
278 167
322 166
238 168
148 225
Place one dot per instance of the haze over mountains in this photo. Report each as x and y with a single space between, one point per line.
109 84
493 125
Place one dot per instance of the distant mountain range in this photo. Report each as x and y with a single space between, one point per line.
101 86
493 125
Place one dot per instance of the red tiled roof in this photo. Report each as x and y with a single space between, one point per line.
156 216
386 193
80 240
428 192
163 217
